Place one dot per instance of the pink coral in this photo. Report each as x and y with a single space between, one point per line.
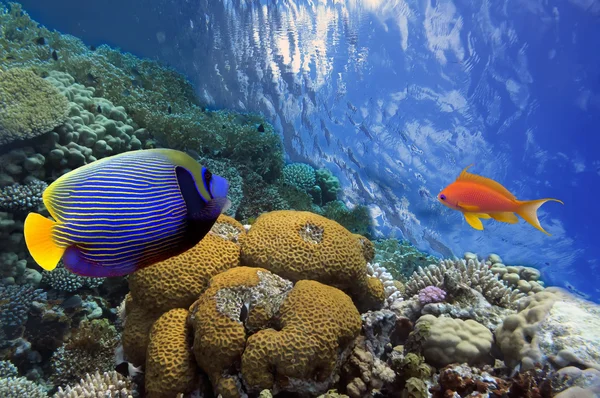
431 294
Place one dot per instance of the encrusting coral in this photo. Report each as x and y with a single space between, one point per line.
91 348
552 327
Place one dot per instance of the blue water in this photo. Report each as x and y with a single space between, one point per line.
397 97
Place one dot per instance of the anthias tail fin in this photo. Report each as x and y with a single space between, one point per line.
528 210
38 237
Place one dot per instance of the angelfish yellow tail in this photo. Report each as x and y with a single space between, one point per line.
38 237
528 211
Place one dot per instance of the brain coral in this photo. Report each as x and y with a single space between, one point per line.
178 281
29 105
220 325
446 340
136 333
170 365
302 352
302 245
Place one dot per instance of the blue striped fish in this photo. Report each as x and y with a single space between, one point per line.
125 212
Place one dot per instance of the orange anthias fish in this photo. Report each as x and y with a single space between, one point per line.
479 197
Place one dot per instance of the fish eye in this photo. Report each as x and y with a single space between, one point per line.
443 197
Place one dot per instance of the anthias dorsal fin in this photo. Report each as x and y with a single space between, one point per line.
466 176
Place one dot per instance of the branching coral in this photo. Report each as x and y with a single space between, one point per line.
108 384
20 387
299 175
449 275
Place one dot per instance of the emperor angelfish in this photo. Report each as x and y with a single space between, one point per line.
126 212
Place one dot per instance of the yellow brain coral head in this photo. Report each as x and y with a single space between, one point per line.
316 323
238 301
302 245
170 365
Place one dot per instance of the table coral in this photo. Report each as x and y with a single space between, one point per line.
178 281
31 105
237 302
302 352
301 245
170 364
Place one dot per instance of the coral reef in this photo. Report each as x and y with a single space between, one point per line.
18 198
15 303
178 281
239 301
431 294
356 220
62 279
299 175
316 323
19 387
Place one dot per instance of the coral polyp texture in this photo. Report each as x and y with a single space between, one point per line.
302 245
297 302
31 106
237 302
170 364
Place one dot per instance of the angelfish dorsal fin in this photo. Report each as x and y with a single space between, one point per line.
466 176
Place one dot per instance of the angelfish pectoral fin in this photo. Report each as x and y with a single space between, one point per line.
506 217
474 221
